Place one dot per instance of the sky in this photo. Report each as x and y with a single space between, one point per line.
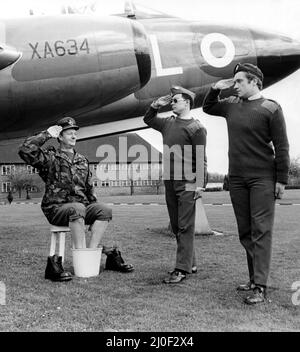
279 16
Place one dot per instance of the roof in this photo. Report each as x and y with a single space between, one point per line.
136 145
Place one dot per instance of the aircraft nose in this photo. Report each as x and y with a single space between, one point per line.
277 56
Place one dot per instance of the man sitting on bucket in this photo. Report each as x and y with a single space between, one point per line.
69 199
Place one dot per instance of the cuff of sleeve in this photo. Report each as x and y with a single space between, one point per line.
47 134
282 179
213 87
92 199
154 106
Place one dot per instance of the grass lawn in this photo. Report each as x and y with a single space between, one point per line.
139 301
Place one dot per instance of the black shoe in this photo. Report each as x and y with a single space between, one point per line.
175 277
115 262
249 286
258 296
59 263
194 270
55 272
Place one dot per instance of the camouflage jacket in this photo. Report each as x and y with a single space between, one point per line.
66 180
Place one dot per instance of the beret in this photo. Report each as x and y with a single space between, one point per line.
180 90
249 68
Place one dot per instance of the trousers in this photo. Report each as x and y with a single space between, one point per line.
181 208
253 201
72 211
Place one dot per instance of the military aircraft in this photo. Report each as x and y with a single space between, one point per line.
105 70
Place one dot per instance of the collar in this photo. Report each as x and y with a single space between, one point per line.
187 117
65 156
255 96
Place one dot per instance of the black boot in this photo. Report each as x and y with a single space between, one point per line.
59 263
54 272
115 262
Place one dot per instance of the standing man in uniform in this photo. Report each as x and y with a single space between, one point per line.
258 167
183 136
69 199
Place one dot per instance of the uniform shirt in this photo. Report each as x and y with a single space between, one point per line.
66 179
181 136
258 144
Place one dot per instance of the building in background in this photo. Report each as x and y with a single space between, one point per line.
120 164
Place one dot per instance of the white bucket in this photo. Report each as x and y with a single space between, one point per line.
86 261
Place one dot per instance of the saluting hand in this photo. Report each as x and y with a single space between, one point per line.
54 131
224 84
162 101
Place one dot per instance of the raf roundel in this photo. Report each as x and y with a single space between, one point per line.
209 57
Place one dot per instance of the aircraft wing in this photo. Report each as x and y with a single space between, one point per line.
8 56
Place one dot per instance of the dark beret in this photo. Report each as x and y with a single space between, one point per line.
180 90
249 68
67 123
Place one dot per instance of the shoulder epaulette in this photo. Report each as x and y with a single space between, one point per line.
194 126
270 105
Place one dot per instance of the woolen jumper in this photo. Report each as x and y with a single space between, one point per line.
179 132
258 143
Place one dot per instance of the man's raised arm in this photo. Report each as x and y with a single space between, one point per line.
151 119
32 153
212 104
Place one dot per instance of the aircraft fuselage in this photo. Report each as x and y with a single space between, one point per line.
108 69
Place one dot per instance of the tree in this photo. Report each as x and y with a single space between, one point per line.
215 177
226 183
28 185
131 187
22 180
294 171
10 197
158 184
